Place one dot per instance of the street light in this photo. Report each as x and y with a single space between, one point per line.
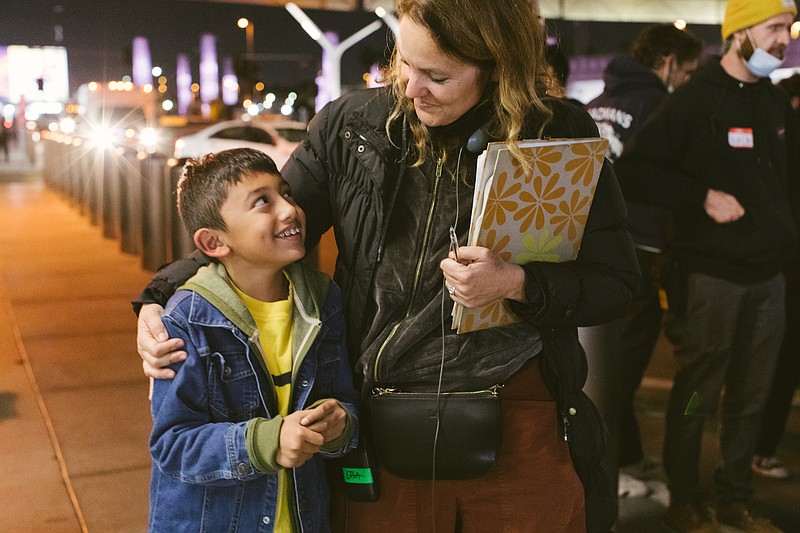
247 26
389 19
331 51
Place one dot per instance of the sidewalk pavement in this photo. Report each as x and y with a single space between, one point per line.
73 401
74 415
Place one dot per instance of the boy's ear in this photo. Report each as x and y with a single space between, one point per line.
210 243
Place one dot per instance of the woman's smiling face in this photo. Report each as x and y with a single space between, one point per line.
441 87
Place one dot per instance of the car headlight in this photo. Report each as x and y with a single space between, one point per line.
101 137
67 125
149 139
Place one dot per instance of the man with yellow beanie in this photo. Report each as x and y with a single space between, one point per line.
721 153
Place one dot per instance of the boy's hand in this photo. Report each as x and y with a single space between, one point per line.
328 419
297 443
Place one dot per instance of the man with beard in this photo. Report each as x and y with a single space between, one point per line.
720 154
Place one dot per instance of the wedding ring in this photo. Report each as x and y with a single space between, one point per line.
451 290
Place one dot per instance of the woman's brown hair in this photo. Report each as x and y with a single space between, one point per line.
504 38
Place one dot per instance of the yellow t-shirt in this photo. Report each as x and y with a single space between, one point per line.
274 323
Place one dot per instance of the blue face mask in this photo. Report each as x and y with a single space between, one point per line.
762 63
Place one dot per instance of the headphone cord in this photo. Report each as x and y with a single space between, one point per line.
441 365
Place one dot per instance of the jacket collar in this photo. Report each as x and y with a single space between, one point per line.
714 73
624 73
213 283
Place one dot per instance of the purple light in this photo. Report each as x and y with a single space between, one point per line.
183 84
230 83
209 70
142 64
324 81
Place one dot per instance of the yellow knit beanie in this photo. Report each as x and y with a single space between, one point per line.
740 14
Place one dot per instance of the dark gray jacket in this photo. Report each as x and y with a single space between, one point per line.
347 176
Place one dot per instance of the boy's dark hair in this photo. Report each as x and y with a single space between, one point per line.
205 183
656 42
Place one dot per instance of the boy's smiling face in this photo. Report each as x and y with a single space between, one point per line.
265 227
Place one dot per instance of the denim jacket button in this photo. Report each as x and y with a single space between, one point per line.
265 520
242 469
304 383
227 372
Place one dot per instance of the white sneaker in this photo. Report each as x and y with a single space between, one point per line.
770 467
630 487
658 492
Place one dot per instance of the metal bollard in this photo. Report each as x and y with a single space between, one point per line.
111 194
154 209
85 165
93 195
130 207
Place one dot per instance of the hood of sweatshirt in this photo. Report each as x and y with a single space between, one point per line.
213 284
624 74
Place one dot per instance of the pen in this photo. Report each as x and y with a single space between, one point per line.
454 242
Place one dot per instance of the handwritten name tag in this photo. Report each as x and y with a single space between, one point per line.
740 137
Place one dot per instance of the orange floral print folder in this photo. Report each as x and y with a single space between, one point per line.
536 216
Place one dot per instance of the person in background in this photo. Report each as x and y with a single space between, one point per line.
391 169
792 87
721 153
266 388
787 372
4 137
557 68
661 58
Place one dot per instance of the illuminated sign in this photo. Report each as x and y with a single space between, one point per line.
39 74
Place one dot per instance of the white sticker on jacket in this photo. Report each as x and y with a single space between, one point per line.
740 137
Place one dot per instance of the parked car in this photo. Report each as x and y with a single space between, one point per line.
276 139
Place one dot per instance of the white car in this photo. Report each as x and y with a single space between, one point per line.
276 139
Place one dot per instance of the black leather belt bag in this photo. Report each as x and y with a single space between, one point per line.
404 427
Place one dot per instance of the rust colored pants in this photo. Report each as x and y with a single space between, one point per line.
532 489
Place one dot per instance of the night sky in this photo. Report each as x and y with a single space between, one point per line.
98 35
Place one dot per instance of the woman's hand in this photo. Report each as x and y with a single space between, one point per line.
154 345
482 277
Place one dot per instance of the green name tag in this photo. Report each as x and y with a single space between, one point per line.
361 476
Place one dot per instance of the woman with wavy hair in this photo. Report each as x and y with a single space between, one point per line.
390 170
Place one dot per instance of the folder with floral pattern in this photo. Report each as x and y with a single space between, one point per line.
536 216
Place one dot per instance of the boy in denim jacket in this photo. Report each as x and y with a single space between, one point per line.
266 389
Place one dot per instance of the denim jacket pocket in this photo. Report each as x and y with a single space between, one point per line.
233 386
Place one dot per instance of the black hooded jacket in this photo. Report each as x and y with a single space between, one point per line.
631 93
716 132
348 175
